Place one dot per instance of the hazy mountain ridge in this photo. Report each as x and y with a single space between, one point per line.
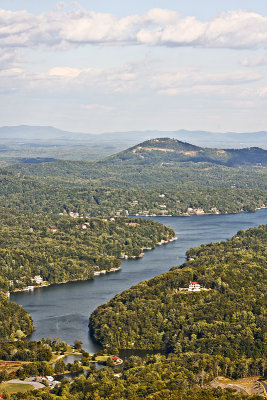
199 137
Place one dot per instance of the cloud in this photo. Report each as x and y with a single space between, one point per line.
64 72
9 58
97 107
254 61
133 79
65 28
262 92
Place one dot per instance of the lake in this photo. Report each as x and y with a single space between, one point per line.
63 310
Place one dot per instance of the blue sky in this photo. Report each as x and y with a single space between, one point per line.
122 65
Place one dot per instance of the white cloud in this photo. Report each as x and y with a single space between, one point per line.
65 72
9 58
254 61
136 78
262 92
63 28
97 107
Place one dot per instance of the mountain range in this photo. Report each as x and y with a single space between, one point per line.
122 140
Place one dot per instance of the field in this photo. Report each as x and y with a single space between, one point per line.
249 385
14 387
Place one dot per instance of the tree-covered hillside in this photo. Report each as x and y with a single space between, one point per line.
227 319
15 322
62 248
212 190
171 150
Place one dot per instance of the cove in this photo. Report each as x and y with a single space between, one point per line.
63 310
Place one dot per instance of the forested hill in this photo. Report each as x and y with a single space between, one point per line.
172 150
225 320
61 248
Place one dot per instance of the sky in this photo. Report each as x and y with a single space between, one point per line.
102 66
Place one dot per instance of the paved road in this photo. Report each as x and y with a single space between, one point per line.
264 385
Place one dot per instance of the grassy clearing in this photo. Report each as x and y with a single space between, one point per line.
15 387
102 358
245 384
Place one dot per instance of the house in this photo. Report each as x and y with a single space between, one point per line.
117 360
38 279
194 287
52 228
74 214
83 226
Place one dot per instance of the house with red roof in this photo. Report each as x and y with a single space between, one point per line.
194 287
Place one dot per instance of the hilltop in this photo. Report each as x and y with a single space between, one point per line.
166 150
20 143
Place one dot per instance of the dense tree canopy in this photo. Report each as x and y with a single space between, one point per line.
225 320
62 248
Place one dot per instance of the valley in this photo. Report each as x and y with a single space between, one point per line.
66 224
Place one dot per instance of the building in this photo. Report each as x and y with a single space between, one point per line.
194 287
38 279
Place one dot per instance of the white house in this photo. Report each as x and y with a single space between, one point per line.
194 287
38 279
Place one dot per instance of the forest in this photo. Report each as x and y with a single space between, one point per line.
227 319
158 193
68 220
160 185
62 248
155 378
59 248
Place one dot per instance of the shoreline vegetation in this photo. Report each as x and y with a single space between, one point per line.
196 212
233 270
64 221
42 249
96 273
177 363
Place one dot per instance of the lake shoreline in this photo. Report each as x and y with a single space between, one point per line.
188 214
64 310
101 272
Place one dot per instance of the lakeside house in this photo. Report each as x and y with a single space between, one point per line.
194 286
37 279
196 211
117 360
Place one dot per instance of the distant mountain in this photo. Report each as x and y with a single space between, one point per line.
43 133
168 151
122 140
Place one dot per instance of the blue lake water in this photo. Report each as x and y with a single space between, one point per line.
64 310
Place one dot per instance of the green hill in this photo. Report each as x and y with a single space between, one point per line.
167 150
226 319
